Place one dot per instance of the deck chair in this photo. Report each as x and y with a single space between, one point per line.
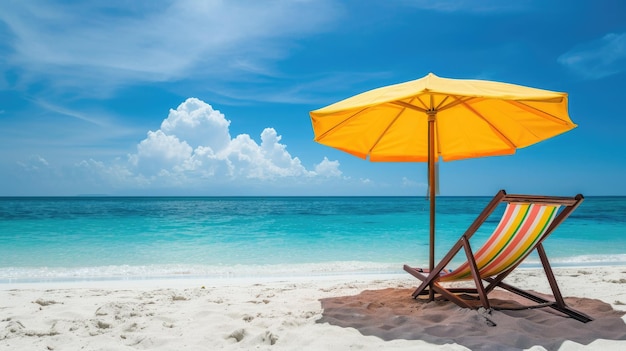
526 222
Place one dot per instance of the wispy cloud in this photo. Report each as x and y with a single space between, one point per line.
598 58
314 88
475 6
101 47
71 113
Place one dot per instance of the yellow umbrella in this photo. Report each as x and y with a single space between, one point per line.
432 117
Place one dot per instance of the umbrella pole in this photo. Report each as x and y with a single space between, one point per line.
431 188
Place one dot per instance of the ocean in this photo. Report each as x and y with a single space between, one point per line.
101 238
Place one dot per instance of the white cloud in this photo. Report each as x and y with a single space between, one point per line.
268 161
198 124
97 175
194 149
328 168
409 183
160 151
598 58
35 163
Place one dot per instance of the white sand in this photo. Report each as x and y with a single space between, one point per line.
270 314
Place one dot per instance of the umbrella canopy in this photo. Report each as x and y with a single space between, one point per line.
474 118
432 117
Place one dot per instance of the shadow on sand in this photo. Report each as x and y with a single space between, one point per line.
393 314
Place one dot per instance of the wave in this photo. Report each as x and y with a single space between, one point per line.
613 259
579 261
127 272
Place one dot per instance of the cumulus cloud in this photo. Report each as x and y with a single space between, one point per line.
198 124
598 58
191 152
328 168
194 148
160 151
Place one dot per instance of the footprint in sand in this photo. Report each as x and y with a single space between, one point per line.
238 335
247 318
42 302
268 338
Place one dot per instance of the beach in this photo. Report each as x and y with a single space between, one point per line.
285 273
287 313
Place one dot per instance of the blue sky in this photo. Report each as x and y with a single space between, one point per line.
212 97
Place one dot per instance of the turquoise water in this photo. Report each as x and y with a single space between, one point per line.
121 238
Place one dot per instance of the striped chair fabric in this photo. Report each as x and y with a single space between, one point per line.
521 226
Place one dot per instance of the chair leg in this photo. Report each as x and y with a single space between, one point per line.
558 303
450 296
480 289
432 276
414 272
552 304
550 275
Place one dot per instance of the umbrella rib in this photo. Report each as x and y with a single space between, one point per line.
422 102
409 106
495 130
330 130
369 152
457 101
442 102
438 108
538 112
